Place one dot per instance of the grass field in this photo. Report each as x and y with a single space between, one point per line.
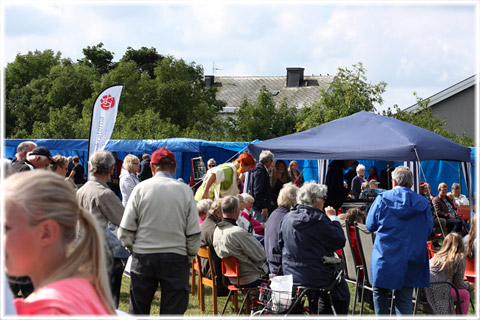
194 305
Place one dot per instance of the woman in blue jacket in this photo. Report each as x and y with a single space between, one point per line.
307 234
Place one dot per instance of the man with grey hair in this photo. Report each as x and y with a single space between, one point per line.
96 197
259 186
402 221
231 240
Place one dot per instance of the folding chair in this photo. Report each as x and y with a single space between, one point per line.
203 255
422 305
365 240
231 269
352 266
195 270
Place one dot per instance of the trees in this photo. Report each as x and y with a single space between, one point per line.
348 93
145 59
98 58
424 118
261 119
47 96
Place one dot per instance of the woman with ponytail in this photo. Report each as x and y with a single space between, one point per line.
67 268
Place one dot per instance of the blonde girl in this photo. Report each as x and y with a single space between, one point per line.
448 265
67 269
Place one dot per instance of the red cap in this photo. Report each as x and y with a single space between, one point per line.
163 156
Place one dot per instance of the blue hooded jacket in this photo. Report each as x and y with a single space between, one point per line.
402 221
306 235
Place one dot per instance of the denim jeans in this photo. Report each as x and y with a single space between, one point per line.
403 301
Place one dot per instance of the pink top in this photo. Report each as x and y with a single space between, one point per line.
256 225
74 296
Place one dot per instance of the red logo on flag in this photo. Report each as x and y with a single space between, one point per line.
107 102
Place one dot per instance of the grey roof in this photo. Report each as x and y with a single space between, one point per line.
233 90
447 93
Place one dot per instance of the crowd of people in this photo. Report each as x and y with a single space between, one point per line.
68 238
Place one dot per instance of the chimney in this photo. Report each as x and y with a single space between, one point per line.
294 77
209 81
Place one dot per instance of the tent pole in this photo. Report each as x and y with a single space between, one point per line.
434 211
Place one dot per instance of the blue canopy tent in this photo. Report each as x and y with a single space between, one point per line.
368 136
184 149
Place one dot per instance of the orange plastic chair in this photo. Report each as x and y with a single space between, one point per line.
203 280
431 251
463 212
231 269
470 274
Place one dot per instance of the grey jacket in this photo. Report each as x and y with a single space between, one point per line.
231 240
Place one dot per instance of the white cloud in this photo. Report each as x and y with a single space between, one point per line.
407 46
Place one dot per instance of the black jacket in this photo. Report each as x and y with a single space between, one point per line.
336 192
260 188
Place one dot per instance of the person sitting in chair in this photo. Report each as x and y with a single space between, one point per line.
231 240
307 234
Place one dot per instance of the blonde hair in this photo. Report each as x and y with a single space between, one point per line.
247 197
60 161
42 195
290 165
472 235
442 185
452 251
128 162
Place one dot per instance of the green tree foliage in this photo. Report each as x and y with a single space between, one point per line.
261 119
146 59
28 67
348 93
98 58
25 87
424 118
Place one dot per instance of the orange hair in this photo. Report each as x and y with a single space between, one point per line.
247 159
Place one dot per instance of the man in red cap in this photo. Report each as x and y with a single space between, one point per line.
160 227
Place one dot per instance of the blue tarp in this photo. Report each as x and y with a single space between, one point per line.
364 135
183 148
186 149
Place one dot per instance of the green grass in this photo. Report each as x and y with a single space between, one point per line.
194 305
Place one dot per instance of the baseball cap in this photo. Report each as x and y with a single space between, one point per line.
373 181
42 151
163 156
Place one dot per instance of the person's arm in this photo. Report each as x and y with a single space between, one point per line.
192 227
439 208
126 187
252 248
458 276
129 224
259 190
333 237
208 184
111 207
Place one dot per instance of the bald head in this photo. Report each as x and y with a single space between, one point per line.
24 148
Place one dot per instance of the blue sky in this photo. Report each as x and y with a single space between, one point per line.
413 46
